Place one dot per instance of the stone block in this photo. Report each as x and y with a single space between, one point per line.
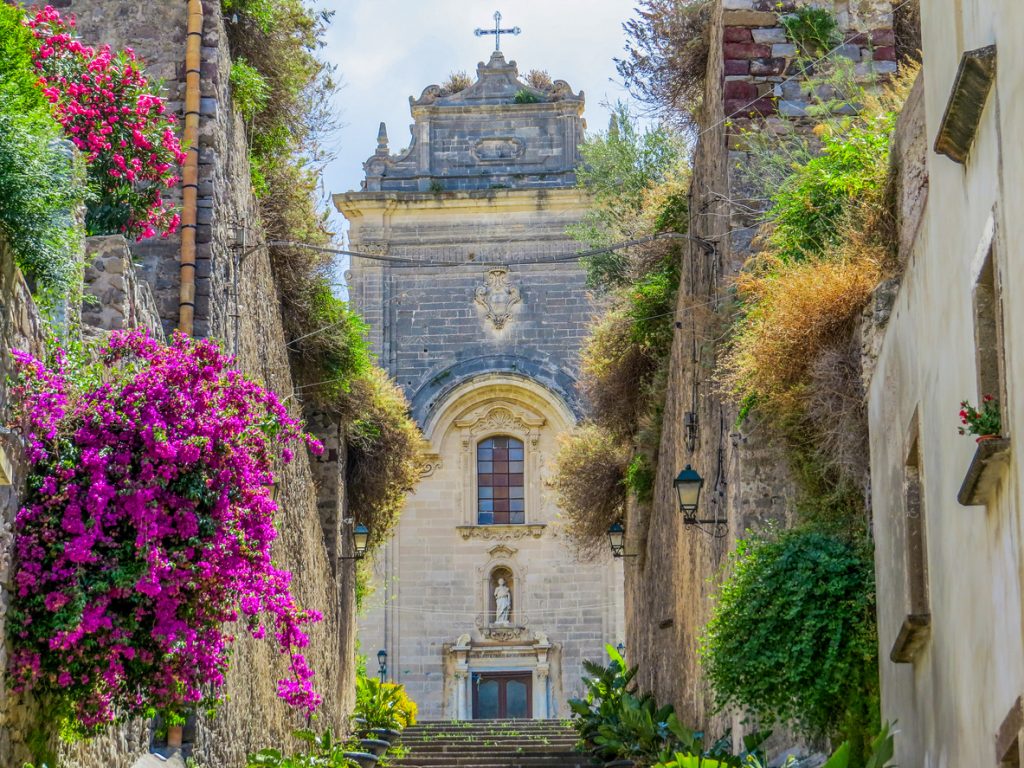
784 50
875 68
750 19
738 5
737 35
883 37
789 108
884 53
741 108
764 67
737 66
740 89
769 36
850 51
745 50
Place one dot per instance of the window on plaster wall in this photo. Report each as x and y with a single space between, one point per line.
501 498
917 550
988 333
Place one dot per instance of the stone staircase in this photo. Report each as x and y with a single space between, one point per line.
491 744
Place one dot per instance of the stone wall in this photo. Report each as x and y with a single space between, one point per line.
669 587
237 305
115 297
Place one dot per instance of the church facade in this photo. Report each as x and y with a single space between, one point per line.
477 306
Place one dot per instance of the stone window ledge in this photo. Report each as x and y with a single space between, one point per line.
986 467
501 532
913 636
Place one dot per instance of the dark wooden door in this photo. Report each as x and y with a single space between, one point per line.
501 695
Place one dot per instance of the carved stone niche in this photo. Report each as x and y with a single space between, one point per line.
501 564
500 417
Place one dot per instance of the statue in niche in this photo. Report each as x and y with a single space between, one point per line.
502 603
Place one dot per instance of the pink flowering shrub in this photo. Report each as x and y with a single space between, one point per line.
147 529
109 110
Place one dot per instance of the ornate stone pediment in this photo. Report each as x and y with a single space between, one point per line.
500 418
498 296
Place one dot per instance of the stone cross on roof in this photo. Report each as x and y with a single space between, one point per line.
497 31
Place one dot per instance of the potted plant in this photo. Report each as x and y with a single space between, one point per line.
382 709
985 423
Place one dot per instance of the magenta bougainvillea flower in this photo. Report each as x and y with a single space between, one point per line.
147 529
113 115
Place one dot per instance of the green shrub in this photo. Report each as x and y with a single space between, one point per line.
640 478
40 183
526 96
249 89
792 635
383 705
815 30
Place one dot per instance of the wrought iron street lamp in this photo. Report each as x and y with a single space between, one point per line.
360 542
617 540
382 664
688 485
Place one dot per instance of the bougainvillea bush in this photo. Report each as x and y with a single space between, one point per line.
112 113
147 529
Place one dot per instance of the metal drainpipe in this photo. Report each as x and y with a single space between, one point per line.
190 172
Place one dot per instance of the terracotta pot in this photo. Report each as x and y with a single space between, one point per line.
983 438
174 736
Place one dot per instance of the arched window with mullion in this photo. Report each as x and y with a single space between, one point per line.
500 495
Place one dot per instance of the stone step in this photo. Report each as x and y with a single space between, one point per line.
491 744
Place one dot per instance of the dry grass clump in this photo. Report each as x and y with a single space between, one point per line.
589 469
796 310
667 56
383 452
614 371
539 79
457 81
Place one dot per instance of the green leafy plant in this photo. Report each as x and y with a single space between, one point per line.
527 96
320 751
982 422
640 478
815 30
40 181
383 705
249 89
817 592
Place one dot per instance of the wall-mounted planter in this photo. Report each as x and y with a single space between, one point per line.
375 746
983 474
913 636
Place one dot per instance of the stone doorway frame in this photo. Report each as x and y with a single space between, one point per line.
525 657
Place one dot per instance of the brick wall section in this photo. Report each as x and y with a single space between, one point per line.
670 586
758 59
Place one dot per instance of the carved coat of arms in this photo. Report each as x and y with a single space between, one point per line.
497 296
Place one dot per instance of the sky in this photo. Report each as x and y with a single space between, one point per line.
388 50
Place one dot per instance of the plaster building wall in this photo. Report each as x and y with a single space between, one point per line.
669 588
237 305
956 690
478 307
